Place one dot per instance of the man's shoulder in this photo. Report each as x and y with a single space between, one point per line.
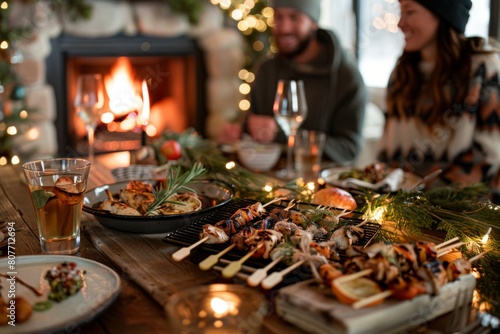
265 62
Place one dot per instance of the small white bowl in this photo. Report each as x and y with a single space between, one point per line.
258 157
134 172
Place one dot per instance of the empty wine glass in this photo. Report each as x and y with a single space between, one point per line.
290 111
89 100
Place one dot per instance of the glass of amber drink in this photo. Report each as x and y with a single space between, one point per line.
57 188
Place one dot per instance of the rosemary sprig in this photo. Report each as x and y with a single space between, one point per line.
175 182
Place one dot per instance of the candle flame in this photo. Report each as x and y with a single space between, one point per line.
219 306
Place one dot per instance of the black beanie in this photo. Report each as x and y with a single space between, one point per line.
453 12
310 7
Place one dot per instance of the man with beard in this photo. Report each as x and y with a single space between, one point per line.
335 92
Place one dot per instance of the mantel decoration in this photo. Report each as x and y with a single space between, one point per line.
253 20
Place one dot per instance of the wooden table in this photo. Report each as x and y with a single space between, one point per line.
144 262
148 273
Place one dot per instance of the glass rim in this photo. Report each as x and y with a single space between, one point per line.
210 289
29 165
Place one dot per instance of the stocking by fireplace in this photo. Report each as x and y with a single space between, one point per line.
172 67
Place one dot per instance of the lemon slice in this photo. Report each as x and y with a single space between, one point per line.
351 291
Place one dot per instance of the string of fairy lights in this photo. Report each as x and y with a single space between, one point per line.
253 19
6 59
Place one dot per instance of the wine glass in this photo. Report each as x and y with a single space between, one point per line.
89 100
290 111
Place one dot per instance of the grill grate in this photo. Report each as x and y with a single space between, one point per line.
189 234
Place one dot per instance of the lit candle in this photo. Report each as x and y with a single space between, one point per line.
143 115
216 309
219 306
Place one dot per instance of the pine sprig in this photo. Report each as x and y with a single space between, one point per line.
175 182
195 148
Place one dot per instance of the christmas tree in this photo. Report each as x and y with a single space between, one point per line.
13 114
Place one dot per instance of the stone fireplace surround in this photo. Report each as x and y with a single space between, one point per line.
222 46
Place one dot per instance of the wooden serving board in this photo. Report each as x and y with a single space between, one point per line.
313 308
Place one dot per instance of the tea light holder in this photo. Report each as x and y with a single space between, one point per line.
216 309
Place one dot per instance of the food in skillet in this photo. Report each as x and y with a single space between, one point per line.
131 202
140 198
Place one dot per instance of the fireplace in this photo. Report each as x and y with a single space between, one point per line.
172 67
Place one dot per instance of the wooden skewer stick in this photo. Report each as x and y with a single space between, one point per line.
247 269
276 277
260 274
447 249
273 201
240 275
350 277
446 242
235 266
368 300
478 256
212 260
110 195
290 205
185 251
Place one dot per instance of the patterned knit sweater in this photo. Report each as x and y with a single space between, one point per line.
466 145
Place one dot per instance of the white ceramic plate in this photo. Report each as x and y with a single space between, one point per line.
102 286
331 176
212 193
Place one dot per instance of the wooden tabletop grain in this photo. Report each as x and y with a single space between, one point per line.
143 262
139 307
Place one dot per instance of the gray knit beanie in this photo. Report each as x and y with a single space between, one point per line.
310 7
453 12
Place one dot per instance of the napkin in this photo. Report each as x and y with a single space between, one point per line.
392 182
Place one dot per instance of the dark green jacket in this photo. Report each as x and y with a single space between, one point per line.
336 96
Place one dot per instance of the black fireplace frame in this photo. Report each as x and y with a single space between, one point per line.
64 47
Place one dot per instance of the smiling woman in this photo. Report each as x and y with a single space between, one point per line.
379 41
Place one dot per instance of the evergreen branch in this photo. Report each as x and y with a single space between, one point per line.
245 183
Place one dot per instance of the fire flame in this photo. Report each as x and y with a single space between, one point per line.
143 116
121 88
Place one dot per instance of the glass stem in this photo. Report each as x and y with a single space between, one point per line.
90 134
289 154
